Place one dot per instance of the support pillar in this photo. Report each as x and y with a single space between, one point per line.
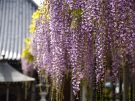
18 91
33 96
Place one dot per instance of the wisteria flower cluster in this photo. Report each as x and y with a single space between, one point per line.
85 37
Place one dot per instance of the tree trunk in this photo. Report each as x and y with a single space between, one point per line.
133 88
92 88
113 92
131 91
71 93
126 83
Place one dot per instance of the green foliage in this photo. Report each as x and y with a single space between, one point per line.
74 24
26 53
77 14
107 92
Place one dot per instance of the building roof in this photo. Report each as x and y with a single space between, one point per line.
9 74
15 18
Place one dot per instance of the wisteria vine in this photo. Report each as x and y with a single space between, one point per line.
84 37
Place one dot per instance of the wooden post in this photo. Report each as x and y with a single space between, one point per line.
18 91
7 95
33 97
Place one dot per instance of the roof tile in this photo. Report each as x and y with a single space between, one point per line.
15 18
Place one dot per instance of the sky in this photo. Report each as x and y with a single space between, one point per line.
37 1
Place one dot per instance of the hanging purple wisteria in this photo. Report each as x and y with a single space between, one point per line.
84 37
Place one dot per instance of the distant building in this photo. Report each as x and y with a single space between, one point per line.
15 18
